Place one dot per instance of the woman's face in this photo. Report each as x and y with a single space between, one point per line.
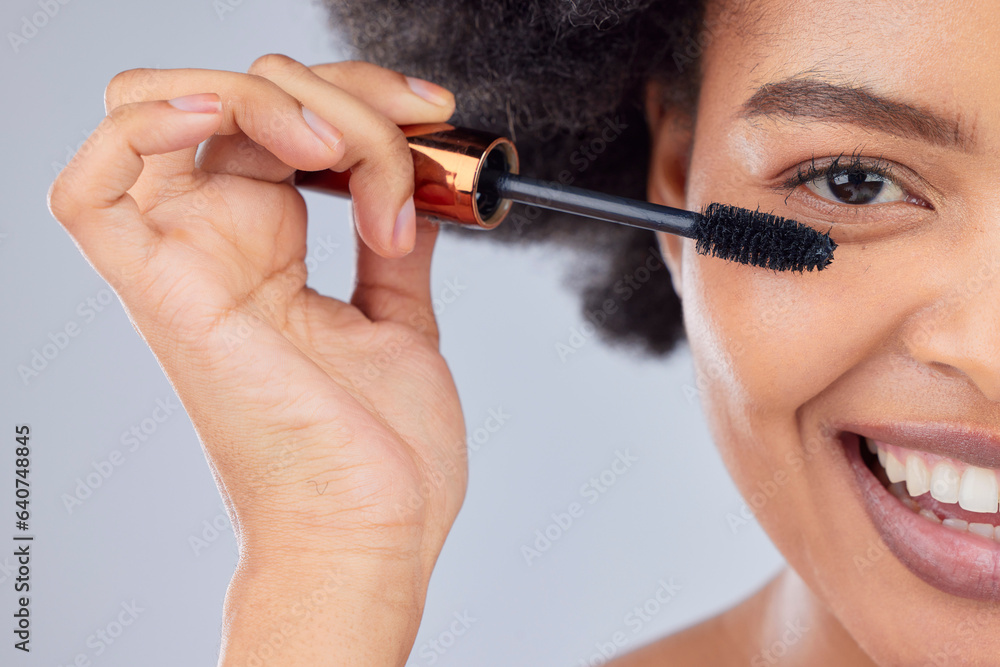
880 122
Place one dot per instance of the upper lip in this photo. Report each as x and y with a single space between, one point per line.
976 445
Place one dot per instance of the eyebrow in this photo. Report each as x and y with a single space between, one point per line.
820 100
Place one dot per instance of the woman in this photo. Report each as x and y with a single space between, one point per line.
880 125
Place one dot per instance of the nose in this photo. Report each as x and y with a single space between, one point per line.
959 334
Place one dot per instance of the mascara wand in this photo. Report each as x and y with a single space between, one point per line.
470 177
728 232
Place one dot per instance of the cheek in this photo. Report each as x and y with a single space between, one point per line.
769 350
766 343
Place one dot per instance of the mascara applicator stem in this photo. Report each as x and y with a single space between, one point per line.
578 201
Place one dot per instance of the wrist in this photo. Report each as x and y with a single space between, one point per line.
352 607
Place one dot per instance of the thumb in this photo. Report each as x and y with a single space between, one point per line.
398 289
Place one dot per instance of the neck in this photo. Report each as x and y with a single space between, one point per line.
785 622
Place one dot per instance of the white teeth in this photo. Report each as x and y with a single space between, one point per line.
872 449
944 483
894 468
974 489
927 514
957 524
918 477
962 526
978 491
900 493
984 529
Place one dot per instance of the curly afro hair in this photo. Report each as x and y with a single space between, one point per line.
565 80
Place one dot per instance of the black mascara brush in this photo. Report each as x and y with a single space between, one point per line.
470 177
728 232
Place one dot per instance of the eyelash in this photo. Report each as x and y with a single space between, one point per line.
856 162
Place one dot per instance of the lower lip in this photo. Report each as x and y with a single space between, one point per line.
958 563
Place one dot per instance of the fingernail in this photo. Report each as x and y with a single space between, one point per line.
330 135
405 231
200 103
431 92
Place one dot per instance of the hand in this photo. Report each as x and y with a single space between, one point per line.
333 429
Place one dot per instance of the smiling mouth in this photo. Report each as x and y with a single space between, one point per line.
937 515
944 491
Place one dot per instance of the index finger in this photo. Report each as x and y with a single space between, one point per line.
250 104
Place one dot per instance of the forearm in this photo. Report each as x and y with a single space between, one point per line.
339 610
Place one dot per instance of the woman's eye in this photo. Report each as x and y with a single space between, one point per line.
856 187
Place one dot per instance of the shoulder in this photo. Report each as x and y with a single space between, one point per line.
721 640
705 643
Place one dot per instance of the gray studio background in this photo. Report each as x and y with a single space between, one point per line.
153 536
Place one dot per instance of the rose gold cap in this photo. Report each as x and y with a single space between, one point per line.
447 163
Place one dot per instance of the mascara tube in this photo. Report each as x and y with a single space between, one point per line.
471 178
448 163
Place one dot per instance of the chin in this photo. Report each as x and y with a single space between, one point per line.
892 524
